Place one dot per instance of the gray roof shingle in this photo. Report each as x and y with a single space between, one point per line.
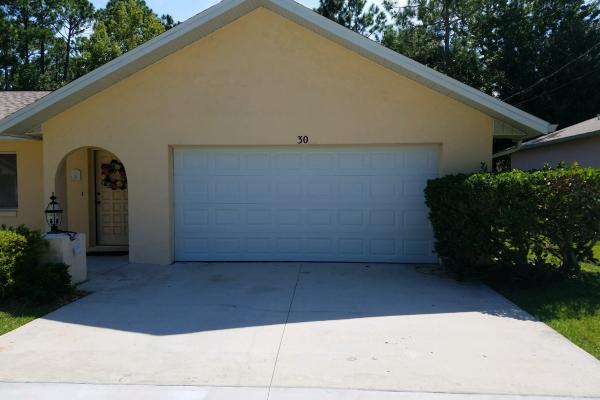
590 127
11 102
580 130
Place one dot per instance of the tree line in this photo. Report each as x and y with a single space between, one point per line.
45 44
540 55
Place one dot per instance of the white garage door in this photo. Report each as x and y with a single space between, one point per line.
355 203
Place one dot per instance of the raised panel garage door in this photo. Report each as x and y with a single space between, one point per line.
355 203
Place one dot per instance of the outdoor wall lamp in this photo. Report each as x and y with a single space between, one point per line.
54 215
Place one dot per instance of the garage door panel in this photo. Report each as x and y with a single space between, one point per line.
256 162
195 187
351 247
259 245
193 245
320 162
417 161
383 218
187 160
228 190
258 217
310 204
385 162
235 218
194 218
352 161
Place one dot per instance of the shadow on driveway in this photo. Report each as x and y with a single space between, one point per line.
295 325
195 297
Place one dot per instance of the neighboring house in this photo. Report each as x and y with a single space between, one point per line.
577 143
256 130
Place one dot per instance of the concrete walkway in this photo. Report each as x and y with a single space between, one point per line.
349 331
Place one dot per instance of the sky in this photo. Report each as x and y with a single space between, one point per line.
184 9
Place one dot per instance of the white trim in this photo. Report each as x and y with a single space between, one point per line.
20 138
8 212
225 12
506 152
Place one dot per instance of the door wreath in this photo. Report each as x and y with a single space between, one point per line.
112 175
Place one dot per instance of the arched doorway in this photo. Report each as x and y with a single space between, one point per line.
92 185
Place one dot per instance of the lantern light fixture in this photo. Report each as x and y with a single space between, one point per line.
54 215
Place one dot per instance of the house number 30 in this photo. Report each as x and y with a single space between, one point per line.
302 139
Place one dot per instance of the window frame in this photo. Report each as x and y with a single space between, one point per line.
15 208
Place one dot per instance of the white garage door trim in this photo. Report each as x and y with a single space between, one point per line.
347 204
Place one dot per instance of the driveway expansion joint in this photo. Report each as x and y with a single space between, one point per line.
287 318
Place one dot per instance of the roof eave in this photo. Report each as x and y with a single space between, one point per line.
229 10
506 152
426 76
25 137
586 135
529 146
127 64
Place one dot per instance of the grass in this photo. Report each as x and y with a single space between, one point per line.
571 308
15 313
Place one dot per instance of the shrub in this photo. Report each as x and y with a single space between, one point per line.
13 248
23 273
516 221
46 283
568 201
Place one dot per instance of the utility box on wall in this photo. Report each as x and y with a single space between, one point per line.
69 249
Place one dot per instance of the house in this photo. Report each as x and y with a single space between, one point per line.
256 130
20 193
578 143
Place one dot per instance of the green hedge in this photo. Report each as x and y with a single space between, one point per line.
519 221
24 274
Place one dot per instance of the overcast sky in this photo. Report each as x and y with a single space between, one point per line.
184 9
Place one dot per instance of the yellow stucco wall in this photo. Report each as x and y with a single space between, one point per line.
78 193
261 80
29 184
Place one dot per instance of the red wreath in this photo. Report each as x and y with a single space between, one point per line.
113 175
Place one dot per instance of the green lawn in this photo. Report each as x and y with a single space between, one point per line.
571 307
15 313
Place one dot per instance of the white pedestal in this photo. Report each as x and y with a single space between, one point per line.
71 252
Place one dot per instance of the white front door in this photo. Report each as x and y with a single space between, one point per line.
111 206
355 203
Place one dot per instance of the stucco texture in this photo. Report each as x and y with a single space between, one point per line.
31 204
586 152
78 194
259 81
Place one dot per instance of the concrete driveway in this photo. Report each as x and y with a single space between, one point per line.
272 326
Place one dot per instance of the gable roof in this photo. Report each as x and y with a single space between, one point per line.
11 102
585 129
227 11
